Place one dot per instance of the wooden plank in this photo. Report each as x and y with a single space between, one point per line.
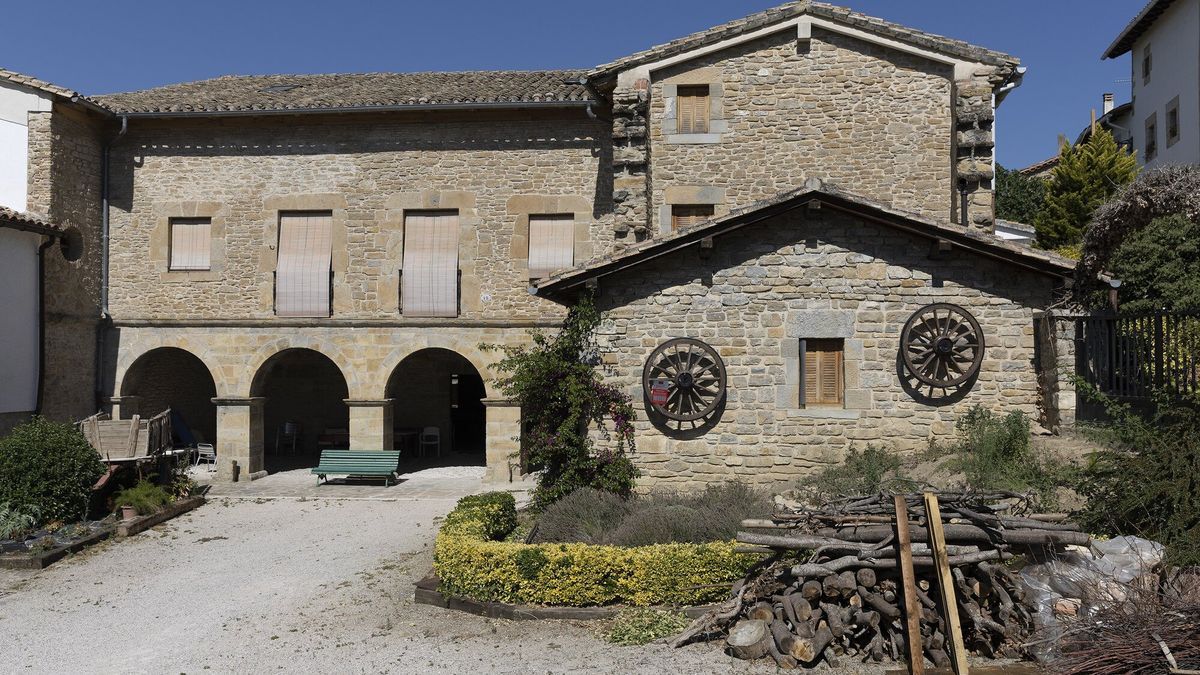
912 608
937 541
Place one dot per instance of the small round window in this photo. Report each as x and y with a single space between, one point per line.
71 244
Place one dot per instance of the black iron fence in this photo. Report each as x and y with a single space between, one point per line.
1128 357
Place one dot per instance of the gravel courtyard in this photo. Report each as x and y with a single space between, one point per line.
285 584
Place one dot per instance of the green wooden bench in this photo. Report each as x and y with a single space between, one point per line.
357 463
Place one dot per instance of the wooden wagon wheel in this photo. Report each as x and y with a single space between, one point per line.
684 379
942 345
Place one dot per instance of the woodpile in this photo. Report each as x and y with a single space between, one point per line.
833 584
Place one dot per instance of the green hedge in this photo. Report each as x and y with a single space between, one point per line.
50 467
472 562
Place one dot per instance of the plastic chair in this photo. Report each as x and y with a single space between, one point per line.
205 452
431 437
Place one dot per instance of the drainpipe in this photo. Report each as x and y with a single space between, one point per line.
41 383
105 320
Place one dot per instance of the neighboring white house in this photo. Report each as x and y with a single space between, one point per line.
1164 42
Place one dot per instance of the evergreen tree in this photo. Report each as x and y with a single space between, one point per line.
1159 267
1018 198
1086 176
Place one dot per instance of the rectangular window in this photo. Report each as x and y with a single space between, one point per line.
822 372
429 282
1172 121
691 109
191 244
302 273
551 244
1151 136
685 215
1147 64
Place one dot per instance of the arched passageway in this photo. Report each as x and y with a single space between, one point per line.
438 388
305 408
169 377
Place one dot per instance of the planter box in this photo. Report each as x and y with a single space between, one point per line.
39 560
132 527
427 593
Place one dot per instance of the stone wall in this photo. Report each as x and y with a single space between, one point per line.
65 149
813 275
875 121
368 172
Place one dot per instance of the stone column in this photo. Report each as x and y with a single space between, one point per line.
240 434
503 445
370 424
124 407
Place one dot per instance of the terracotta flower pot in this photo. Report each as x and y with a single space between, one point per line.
128 513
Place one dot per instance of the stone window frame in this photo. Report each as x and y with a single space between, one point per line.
274 206
1151 129
160 240
823 324
391 235
521 207
689 195
1172 111
718 125
1147 64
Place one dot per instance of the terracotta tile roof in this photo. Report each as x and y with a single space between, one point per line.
28 222
46 87
1136 27
1040 167
842 15
236 93
970 239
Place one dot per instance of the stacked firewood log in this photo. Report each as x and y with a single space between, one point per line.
830 584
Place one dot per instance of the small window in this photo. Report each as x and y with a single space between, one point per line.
191 244
1172 121
551 244
1147 64
686 215
691 109
1151 136
823 381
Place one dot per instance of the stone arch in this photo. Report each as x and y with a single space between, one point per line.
439 387
172 377
471 352
268 351
303 393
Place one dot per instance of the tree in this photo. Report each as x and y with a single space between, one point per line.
562 397
1159 266
1087 175
1018 197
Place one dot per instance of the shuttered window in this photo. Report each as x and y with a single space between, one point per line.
551 244
302 275
429 283
822 372
683 215
691 109
191 243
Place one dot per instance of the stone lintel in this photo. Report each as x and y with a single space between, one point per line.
368 403
238 400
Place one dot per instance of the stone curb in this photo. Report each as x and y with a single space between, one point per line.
132 527
37 561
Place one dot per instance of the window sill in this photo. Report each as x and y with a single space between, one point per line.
825 413
188 276
693 139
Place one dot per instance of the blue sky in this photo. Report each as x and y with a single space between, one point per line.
101 47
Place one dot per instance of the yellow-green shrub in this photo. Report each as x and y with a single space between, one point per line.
471 563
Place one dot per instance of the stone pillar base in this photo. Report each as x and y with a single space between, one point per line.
240 437
503 445
370 424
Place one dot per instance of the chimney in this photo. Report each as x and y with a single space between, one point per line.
1108 102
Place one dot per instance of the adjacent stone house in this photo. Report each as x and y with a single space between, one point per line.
311 261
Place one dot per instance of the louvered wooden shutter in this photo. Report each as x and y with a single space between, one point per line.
686 215
191 244
691 109
823 372
551 244
302 275
429 284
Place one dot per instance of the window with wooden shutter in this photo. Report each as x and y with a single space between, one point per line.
691 109
191 244
302 274
683 215
822 372
429 281
551 244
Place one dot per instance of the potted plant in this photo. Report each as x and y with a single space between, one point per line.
144 499
128 512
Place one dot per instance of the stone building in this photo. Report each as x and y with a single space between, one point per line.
316 260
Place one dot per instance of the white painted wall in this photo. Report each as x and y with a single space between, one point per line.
19 348
16 103
1175 45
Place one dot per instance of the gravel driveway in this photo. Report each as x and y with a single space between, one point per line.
244 585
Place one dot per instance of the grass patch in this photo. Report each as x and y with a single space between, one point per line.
867 472
643 625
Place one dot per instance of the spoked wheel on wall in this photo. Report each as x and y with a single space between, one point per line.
942 345
684 381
